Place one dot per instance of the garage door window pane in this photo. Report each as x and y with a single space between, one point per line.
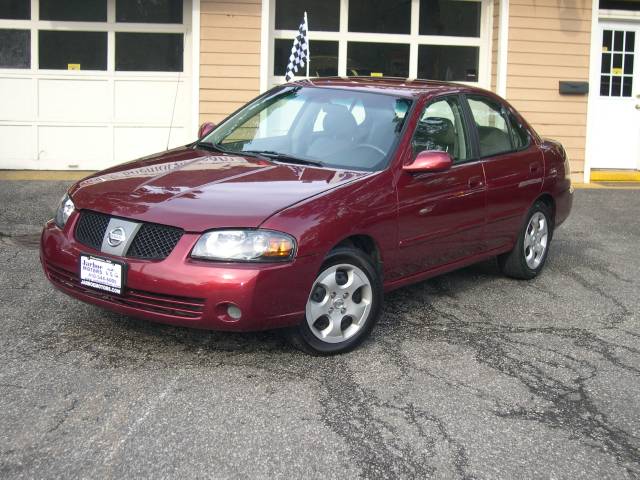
59 50
380 16
74 10
324 59
323 15
377 59
15 49
15 9
450 17
149 11
438 62
149 52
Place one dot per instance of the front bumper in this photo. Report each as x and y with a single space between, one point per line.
181 291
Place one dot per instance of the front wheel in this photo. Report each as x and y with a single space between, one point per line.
343 305
530 252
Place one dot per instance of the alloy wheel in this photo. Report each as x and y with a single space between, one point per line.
536 238
339 304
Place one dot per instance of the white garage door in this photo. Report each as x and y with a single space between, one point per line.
86 84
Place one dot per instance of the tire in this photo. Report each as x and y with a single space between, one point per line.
343 306
527 258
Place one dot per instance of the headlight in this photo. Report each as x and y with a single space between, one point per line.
245 246
65 208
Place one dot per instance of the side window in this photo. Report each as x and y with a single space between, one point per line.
493 132
519 136
441 128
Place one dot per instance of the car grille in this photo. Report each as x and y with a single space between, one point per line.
152 242
91 228
170 305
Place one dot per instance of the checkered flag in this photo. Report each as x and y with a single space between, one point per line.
299 51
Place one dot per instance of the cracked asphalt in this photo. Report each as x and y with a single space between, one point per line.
469 375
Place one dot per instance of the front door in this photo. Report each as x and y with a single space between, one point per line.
441 215
616 142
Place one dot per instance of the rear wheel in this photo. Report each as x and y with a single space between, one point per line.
343 305
530 252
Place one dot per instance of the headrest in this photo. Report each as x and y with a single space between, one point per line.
338 121
440 130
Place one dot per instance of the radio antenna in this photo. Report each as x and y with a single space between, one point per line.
173 111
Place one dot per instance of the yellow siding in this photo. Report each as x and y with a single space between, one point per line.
548 42
229 56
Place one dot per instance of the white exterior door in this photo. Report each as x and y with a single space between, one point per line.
88 85
616 142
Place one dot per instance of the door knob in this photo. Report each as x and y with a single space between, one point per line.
638 106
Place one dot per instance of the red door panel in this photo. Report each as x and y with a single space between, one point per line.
440 217
513 182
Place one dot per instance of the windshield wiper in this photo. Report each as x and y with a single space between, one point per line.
283 157
213 147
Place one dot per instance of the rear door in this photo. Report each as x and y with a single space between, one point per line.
441 214
513 166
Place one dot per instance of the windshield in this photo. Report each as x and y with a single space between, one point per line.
345 129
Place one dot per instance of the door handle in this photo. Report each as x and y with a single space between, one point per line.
535 168
638 107
475 182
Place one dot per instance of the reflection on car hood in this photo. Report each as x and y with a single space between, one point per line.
198 190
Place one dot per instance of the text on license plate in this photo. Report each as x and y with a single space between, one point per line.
101 273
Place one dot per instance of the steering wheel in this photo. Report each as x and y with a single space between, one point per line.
373 147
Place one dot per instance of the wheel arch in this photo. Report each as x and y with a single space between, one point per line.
548 200
365 243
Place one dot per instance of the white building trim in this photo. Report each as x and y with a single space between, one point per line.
265 29
195 65
503 49
594 81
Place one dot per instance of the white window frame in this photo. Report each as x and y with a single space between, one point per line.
187 79
110 27
343 36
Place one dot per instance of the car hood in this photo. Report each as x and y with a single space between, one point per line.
197 190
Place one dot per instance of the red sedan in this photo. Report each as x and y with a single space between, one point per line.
302 208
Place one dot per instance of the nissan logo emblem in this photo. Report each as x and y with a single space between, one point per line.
116 236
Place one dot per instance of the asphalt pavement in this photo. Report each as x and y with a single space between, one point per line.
468 375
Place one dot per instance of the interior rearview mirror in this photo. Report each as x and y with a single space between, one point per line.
429 161
205 129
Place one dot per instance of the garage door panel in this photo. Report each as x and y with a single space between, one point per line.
135 142
17 145
151 102
16 99
81 147
74 100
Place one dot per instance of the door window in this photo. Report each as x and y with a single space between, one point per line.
74 10
149 52
441 128
493 132
616 72
149 11
15 9
61 50
15 48
430 39
149 35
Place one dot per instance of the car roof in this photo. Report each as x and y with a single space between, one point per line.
402 87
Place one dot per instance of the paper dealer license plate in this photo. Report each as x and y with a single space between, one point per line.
101 274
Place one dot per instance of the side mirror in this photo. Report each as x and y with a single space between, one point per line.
429 161
205 129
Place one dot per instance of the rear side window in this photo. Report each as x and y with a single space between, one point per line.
519 136
493 131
